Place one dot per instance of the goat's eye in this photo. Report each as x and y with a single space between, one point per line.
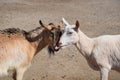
69 32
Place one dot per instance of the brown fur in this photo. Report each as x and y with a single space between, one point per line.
19 47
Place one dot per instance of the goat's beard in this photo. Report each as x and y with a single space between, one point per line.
51 50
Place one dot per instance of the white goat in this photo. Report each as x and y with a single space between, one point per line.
18 47
102 53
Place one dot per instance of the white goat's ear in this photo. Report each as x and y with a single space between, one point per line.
65 22
77 25
49 27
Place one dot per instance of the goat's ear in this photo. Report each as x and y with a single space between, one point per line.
49 27
77 25
60 25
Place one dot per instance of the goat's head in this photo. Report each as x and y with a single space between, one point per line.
44 35
69 35
53 35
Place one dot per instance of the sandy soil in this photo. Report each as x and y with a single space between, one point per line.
97 17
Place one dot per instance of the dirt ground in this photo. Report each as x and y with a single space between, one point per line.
97 17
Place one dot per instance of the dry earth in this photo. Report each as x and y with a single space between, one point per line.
97 17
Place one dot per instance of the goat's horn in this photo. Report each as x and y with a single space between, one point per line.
64 21
60 25
49 27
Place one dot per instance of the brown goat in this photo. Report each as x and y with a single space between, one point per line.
18 47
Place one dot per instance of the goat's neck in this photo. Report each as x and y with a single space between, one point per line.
85 44
41 43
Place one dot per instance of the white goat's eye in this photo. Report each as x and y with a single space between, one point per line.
69 33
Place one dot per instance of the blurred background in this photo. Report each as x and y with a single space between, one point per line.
96 17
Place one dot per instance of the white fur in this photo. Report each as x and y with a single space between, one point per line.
102 53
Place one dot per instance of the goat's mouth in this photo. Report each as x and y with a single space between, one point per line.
57 48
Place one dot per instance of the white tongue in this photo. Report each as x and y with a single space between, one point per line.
56 47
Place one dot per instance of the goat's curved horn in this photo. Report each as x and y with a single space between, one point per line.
65 22
49 27
60 25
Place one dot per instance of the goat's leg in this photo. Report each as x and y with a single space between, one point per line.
104 73
14 75
20 72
